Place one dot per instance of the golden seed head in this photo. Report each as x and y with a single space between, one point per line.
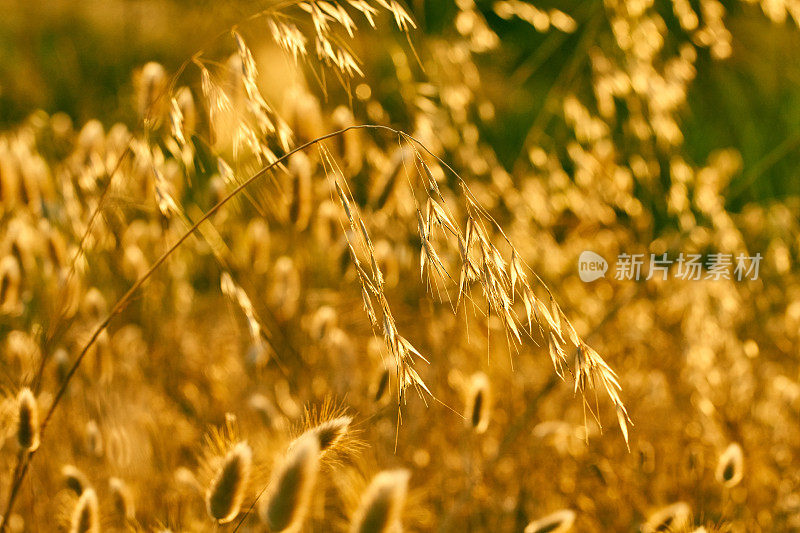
185 103
227 490
674 517
730 467
123 498
151 92
28 421
558 522
94 439
292 484
330 432
74 479
382 503
85 516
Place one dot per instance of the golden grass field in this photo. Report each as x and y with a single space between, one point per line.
319 266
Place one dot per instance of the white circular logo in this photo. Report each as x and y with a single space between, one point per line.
591 266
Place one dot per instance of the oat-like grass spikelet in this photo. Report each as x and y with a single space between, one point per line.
674 517
151 93
730 467
85 517
592 371
239 295
183 115
288 37
288 496
558 522
227 490
27 421
382 503
300 171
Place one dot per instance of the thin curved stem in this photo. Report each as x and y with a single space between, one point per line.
126 298
59 318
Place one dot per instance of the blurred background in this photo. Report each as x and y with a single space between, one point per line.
77 57
541 130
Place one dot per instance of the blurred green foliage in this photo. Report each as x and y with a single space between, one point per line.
78 57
